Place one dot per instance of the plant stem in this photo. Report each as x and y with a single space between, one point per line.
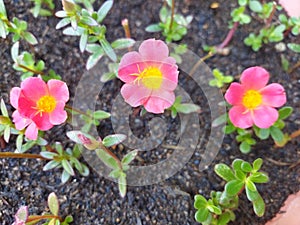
36 218
77 110
269 20
31 70
295 134
126 28
200 61
20 155
172 15
229 36
294 67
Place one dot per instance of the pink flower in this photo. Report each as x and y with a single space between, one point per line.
150 76
39 105
253 102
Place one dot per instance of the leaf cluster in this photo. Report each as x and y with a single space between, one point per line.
219 209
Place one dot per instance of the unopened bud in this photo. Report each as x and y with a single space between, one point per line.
69 6
4 120
90 144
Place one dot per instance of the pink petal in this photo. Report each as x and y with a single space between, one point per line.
254 78
234 94
159 101
154 50
273 95
126 73
42 121
59 115
170 75
59 90
31 131
27 108
240 117
292 7
265 116
135 95
20 121
34 88
14 96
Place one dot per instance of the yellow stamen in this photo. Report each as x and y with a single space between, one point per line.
46 104
151 77
252 99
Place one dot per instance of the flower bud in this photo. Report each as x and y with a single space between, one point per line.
69 6
89 143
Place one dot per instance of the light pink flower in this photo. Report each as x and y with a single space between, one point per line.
150 76
38 105
254 102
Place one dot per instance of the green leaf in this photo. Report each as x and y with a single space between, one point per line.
294 47
108 50
6 135
53 204
214 209
187 108
115 173
257 164
100 115
122 185
65 176
15 51
153 28
263 134
48 155
255 6
113 139
200 202
219 120
163 14
259 206
88 20
3 30
245 147
50 165
19 142
277 34
62 23
251 195
242 2
201 215
240 175
246 167
233 187
93 59
285 64
122 43
103 10
67 167
128 158
224 219
85 170
251 186
83 40
224 171
107 159
237 164
108 76
285 112
276 134
259 178
30 38
3 108
22 213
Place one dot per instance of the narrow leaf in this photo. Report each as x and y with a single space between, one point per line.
122 185
108 50
53 204
259 206
122 43
67 167
113 139
104 9
107 159
50 165
30 38
83 40
128 158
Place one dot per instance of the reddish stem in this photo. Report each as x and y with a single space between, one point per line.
295 134
21 155
229 36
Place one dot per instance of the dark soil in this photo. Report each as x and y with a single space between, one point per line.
94 199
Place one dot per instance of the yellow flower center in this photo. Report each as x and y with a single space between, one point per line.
46 104
252 99
151 78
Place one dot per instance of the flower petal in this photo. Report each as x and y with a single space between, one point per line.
34 88
42 121
159 101
31 131
254 78
58 89
154 50
240 117
170 74
265 116
135 95
126 73
234 94
27 108
273 95
59 115
20 121
14 96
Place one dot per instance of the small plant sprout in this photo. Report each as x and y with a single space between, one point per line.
172 25
219 209
220 79
150 76
87 24
22 216
101 147
42 8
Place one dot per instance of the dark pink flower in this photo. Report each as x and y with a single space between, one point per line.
39 105
253 100
150 76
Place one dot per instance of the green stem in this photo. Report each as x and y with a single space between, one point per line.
172 15
21 155
111 154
